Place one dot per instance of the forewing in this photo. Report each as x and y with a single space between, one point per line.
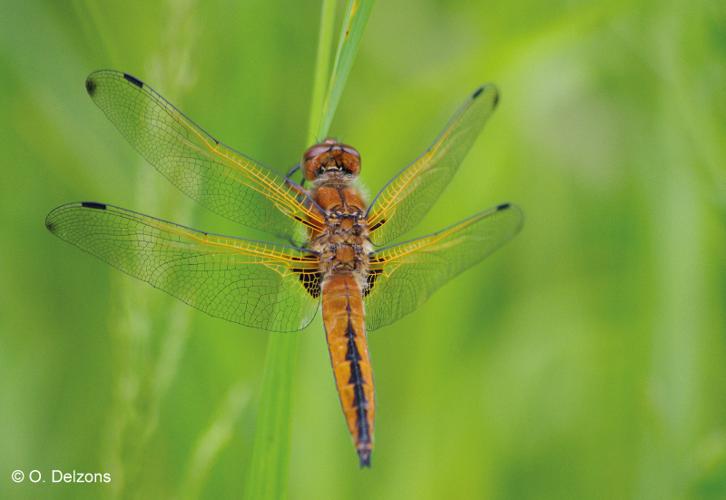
402 277
223 180
253 283
404 201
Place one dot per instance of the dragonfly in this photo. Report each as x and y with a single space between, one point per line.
331 249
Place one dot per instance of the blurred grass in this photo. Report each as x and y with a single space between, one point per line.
585 360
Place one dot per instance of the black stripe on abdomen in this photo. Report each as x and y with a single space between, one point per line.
356 379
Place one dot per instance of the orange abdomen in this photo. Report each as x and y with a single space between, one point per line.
343 317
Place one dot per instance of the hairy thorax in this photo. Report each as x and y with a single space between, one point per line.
343 244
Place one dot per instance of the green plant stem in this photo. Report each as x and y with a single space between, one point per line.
267 474
322 67
354 23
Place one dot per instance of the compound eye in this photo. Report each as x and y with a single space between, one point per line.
314 151
351 151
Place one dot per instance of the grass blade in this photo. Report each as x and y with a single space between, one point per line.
322 65
356 18
267 475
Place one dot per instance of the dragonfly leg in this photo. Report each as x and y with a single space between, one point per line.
292 171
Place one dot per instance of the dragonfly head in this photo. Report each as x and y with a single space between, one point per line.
330 160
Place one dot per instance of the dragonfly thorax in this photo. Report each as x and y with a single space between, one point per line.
343 243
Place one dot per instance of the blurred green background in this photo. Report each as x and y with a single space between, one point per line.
584 360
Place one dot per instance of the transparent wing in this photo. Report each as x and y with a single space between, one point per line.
223 180
404 201
402 277
253 283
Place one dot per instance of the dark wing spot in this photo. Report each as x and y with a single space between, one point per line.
377 225
496 98
311 282
370 281
477 92
93 204
90 86
134 80
503 206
